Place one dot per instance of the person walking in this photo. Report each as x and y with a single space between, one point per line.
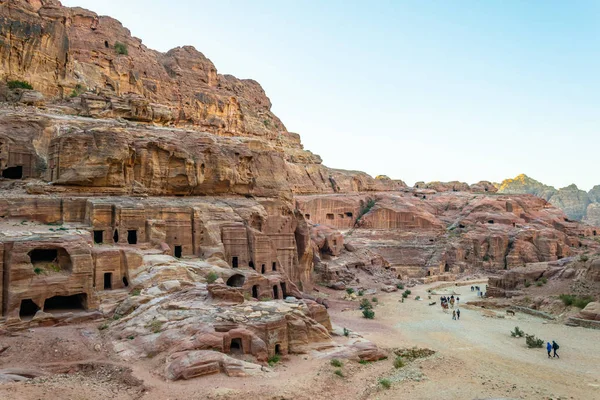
458 313
555 346
454 314
549 348
472 289
457 301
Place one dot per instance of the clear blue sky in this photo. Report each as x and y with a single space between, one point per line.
417 90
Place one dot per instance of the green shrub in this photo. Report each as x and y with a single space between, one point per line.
572 300
136 292
386 383
407 291
121 48
339 373
364 362
374 300
400 286
116 316
533 342
274 360
486 258
19 85
365 208
404 295
398 362
527 283
131 337
103 327
155 326
211 277
346 332
517 332
336 363
365 304
361 292
38 270
349 290
368 314
583 258
544 280
79 89
539 283
419 297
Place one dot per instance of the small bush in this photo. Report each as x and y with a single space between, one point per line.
121 48
155 326
407 291
533 342
400 286
336 363
572 300
527 284
365 304
79 89
544 280
567 299
419 297
539 283
486 258
364 362
131 337
583 258
116 316
361 292
19 85
386 383
404 295
398 362
211 277
346 332
339 373
349 290
103 327
136 292
38 270
274 360
517 332
368 314
374 300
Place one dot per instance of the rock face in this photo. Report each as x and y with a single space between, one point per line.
576 204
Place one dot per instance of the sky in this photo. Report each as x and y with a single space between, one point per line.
416 90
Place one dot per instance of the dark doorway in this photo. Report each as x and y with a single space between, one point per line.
28 308
274 266
491 221
43 255
13 172
234 262
177 251
98 236
278 349
132 237
116 236
236 346
108 281
125 281
275 292
263 268
236 280
106 44
65 303
251 265
595 233
447 268
283 290
255 291
428 273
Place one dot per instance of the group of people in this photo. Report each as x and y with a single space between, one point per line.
449 302
480 293
554 346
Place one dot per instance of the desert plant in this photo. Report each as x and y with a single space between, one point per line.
533 342
136 292
274 360
527 283
365 304
386 383
155 326
400 286
211 277
38 270
581 302
336 363
539 283
54 267
346 332
419 297
131 337
583 258
404 295
486 258
368 313
103 327
121 48
364 362
398 362
374 300
517 332
339 373
349 290
407 291
365 208
19 85
116 316
79 89
361 292
544 280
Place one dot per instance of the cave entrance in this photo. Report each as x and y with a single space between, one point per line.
263 268
446 268
116 236
274 266
125 281
428 273
28 309
595 233
278 349
132 236
275 292
178 251
236 280
329 216
251 265
51 260
283 290
236 346
13 172
98 237
108 281
491 221
255 291
75 302
234 262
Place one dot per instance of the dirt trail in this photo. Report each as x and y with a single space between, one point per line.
475 358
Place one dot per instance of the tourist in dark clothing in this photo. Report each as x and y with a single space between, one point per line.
454 314
549 348
555 346
457 314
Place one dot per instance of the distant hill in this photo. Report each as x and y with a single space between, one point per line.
577 204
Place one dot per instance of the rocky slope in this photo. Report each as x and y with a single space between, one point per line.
577 204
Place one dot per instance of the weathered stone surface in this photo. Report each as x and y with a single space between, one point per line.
203 362
572 201
590 312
